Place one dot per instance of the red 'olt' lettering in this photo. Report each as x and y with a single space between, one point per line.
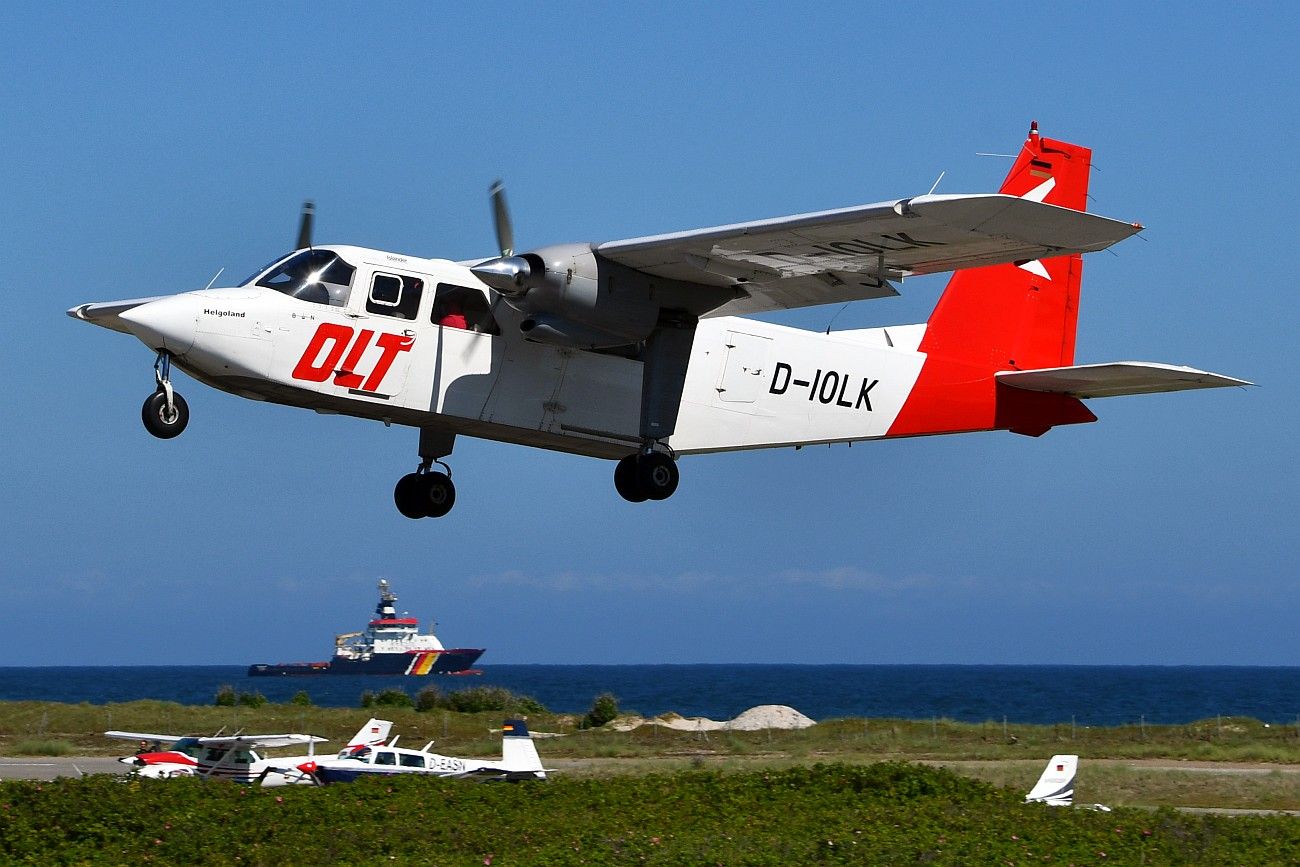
318 362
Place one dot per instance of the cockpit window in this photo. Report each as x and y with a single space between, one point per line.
248 281
318 276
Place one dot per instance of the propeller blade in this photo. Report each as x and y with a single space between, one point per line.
304 227
501 217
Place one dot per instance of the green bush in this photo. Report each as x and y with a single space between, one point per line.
251 699
888 813
478 699
226 696
429 698
301 699
392 697
603 709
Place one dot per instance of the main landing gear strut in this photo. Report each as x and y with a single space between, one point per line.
651 473
165 413
427 493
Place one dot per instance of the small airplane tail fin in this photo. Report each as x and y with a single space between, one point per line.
1056 785
1020 315
518 753
373 732
1015 316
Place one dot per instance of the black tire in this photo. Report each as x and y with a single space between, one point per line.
439 494
157 420
409 496
656 475
625 481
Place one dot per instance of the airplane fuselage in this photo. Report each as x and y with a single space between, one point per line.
749 384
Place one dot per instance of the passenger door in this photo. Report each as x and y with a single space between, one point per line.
384 333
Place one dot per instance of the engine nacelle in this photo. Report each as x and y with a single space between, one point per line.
571 297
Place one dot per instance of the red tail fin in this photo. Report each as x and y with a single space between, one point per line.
1006 317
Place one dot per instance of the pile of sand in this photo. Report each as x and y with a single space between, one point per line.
770 716
765 716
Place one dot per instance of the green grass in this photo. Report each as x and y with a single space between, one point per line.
1229 739
42 747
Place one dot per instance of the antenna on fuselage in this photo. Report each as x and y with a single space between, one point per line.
305 224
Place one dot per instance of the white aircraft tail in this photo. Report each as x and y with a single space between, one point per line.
518 754
373 732
1056 786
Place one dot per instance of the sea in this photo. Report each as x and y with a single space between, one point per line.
1043 694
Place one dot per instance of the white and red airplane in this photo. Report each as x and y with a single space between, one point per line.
519 761
631 350
235 757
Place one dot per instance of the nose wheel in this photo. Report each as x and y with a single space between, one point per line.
165 413
427 493
647 475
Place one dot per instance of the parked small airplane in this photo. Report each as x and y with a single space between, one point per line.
630 350
234 757
1055 786
519 761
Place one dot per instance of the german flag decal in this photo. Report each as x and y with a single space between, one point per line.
423 663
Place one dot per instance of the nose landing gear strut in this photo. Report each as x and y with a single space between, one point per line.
165 413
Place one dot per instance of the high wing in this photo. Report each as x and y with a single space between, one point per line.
852 253
1115 379
267 741
143 736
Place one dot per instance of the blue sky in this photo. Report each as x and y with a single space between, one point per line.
147 145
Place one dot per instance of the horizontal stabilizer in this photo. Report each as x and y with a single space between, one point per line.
1115 379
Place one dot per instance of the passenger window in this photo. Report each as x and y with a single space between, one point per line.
410 761
385 758
462 307
391 295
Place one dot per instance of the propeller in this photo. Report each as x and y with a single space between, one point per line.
501 218
304 227
507 273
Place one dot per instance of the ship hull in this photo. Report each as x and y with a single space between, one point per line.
415 664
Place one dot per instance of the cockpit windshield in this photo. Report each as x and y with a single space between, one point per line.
318 276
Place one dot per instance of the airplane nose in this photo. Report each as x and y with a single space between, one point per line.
168 323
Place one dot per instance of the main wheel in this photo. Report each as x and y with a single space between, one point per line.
625 481
409 496
161 423
439 494
656 475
